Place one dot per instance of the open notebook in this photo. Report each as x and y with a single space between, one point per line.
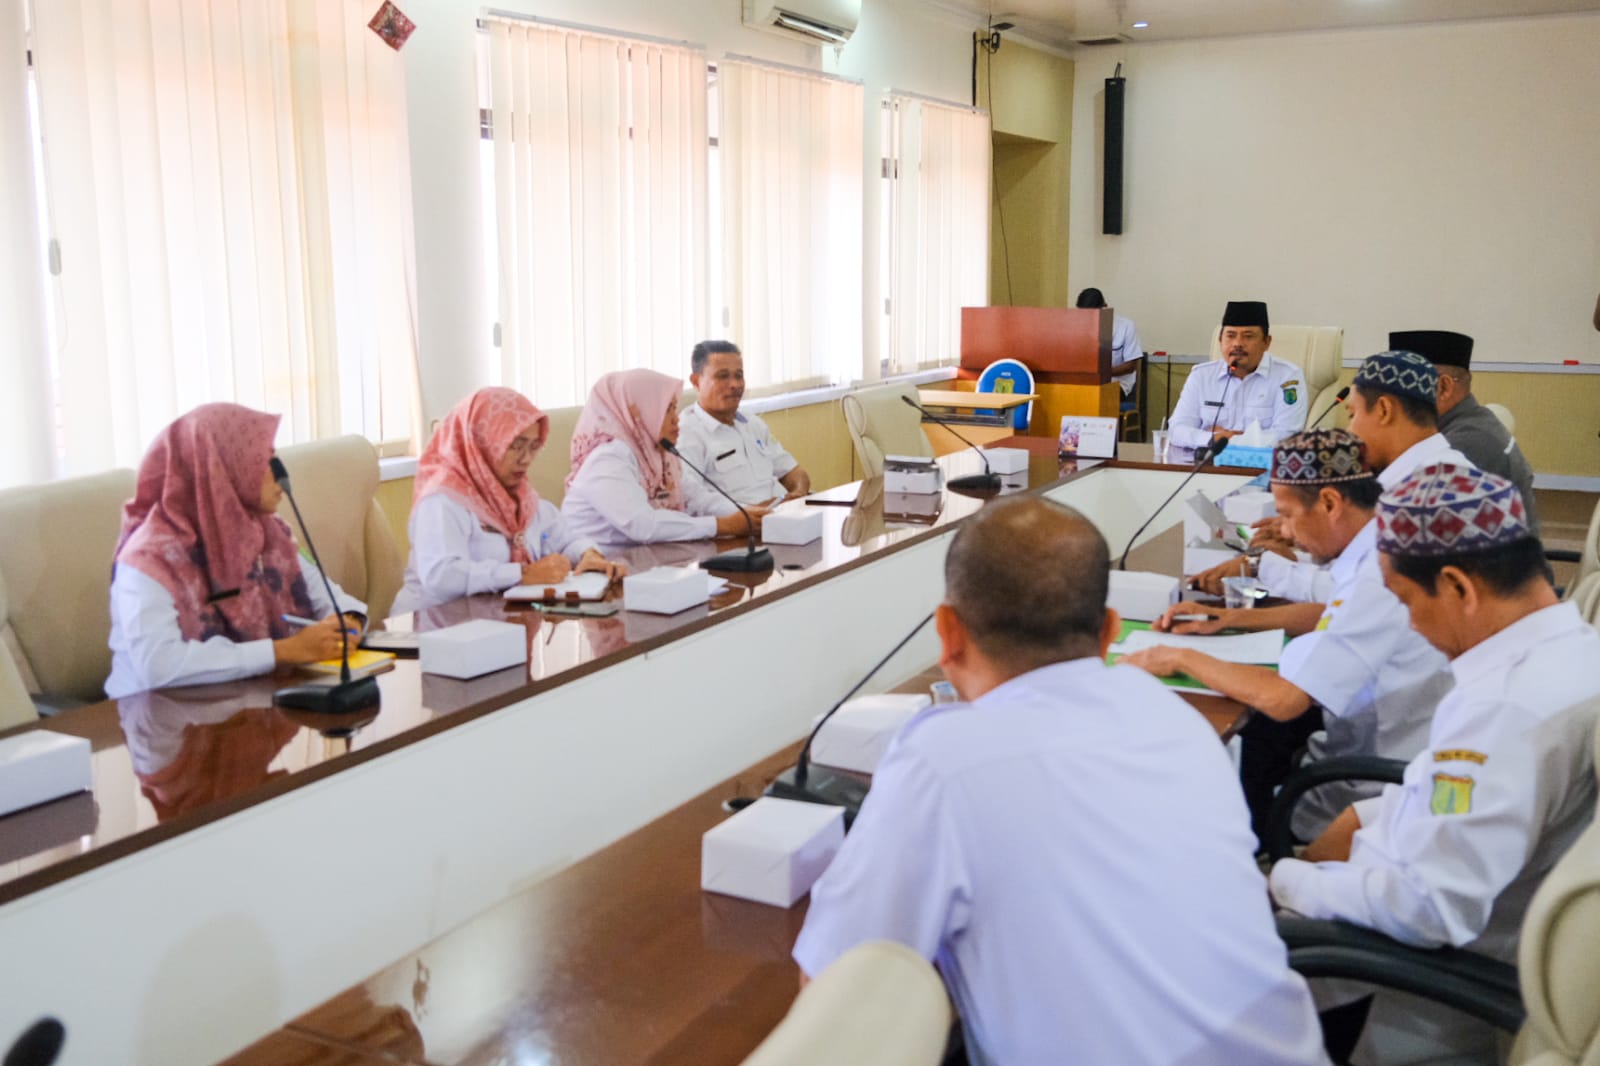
1257 649
589 586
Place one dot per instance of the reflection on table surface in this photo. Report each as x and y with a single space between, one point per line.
181 757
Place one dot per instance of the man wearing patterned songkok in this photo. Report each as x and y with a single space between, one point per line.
1452 855
1392 409
1471 428
1375 680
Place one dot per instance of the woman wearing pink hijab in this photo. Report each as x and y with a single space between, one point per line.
624 487
205 571
477 525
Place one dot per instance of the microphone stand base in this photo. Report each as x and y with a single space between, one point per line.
342 698
975 481
839 789
754 561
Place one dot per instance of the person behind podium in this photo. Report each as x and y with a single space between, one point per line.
1125 350
477 525
1375 680
737 450
1248 384
997 837
624 488
205 571
1451 856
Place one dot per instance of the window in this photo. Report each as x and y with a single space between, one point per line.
791 166
226 189
938 211
600 178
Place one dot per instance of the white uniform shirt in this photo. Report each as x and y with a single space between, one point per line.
1273 394
607 502
1307 582
1375 677
149 651
1452 855
742 458
1124 349
1081 876
453 554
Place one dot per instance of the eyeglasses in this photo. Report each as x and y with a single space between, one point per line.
522 447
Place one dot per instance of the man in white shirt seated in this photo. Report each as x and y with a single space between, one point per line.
1081 874
1453 855
1125 350
1248 384
736 450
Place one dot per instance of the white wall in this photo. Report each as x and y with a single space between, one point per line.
894 47
1428 177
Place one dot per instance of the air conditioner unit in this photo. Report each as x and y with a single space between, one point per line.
818 21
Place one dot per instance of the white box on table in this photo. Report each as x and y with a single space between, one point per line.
773 851
856 737
797 526
1007 460
666 589
1141 595
1199 557
911 473
39 766
1249 506
472 649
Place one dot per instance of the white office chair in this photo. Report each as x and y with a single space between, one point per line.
881 424
879 1004
1319 353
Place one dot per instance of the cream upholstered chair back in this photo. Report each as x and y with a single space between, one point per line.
336 482
1557 964
1589 555
1503 413
881 424
1585 595
56 543
1319 353
16 707
879 1003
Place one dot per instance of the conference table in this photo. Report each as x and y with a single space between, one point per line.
237 867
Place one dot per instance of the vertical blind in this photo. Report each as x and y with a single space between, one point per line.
228 185
791 159
939 225
600 159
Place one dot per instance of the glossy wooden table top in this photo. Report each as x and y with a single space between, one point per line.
170 761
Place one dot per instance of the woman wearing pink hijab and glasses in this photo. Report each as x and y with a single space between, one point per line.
624 487
477 525
206 573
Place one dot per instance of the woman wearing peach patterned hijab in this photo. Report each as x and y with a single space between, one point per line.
205 571
477 524
624 486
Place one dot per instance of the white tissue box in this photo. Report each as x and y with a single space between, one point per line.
1142 596
1007 460
792 527
912 474
773 851
1198 557
1248 507
39 766
856 737
666 589
472 649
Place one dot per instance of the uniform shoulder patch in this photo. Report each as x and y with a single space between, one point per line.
1452 794
1460 755
1289 393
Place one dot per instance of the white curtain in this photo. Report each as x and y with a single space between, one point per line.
939 218
791 163
600 157
229 184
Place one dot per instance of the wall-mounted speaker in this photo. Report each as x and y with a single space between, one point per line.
1111 176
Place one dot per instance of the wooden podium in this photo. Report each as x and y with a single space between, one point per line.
1068 349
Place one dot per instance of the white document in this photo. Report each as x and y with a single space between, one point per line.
587 586
1258 649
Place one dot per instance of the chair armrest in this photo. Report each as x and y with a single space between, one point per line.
1280 838
1477 985
1563 555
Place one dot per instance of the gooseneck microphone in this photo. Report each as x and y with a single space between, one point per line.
838 790
347 695
986 480
1201 454
752 560
1338 398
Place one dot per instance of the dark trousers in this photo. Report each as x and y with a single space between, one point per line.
1270 747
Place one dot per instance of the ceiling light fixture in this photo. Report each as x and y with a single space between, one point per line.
1141 25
